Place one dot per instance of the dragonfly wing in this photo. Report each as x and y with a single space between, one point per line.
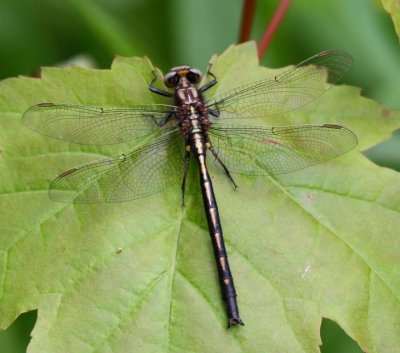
95 125
141 172
286 91
278 150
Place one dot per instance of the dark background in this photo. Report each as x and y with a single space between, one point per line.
52 32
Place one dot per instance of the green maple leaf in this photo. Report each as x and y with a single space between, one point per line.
140 276
393 8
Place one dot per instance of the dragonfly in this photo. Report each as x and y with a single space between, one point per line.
195 125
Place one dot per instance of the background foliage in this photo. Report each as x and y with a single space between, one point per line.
47 32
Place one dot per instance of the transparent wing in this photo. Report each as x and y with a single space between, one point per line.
285 92
278 150
94 125
141 172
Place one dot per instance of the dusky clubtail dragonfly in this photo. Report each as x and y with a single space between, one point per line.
194 125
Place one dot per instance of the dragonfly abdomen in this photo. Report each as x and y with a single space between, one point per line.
198 147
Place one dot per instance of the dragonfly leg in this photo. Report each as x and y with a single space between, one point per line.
185 171
211 83
163 121
224 167
156 90
166 118
214 112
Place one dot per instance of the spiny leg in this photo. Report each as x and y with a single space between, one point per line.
226 170
166 118
213 112
168 115
156 90
185 172
161 92
211 83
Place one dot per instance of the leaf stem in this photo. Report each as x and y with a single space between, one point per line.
272 26
247 20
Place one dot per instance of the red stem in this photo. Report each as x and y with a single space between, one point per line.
272 27
247 20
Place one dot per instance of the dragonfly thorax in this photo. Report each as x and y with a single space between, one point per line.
187 95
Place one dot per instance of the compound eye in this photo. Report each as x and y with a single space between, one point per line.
171 79
194 75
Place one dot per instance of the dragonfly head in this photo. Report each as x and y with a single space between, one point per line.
181 74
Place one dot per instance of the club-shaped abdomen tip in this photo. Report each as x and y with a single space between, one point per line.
235 321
